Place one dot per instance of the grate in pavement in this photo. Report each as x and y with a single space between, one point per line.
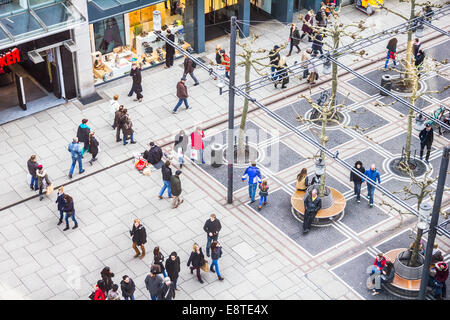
90 99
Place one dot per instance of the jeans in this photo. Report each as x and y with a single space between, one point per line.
252 190
274 73
131 91
215 264
292 46
169 190
180 101
125 138
174 283
227 74
370 191
208 242
72 217
192 76
201 155
387 60
61 215
34 182
262 199
129 298
153 297
422 147
357 189
74 162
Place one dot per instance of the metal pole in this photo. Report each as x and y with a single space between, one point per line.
230 151
434 221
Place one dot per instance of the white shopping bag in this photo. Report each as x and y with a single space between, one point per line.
180 152
194 154
29 179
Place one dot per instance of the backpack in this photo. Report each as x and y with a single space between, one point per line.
194 64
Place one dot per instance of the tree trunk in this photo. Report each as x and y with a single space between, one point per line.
241 147
334 71
409 50
322 155
415 253
415 86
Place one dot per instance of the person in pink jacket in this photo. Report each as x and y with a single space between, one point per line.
197 142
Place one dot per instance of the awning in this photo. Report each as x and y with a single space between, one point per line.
102 9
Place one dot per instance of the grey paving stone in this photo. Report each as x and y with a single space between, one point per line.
420 103
374 76
366 119
437 83
368 157
279 156
402 240
396 144
359 217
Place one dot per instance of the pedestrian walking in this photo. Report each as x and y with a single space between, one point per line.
212 228
308 22
416 47
127 287
438 283
321 18
139 238
282 73
113 294
153 282
216 254
136 75
114 106
374 176
313 73
43 180
118 114
173 268
357 180
107 276
167 290
274 56
99 293
197 259
426 139
312 205
189 67
197 144
391 52
317 43
75 150
175 185
254 176
60 203
225 61
32 168
294 39
218 57
158 262
302 182
419 60
83 135
130 94
180 146
166 176
263 193
127 127
69 209
93 147
182 95
170 50
306 55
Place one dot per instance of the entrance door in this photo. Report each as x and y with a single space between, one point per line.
20 91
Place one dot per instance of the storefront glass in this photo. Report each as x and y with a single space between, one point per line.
9 7
109 34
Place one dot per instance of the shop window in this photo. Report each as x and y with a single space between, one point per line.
109 34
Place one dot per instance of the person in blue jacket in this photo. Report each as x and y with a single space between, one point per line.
61 203
374 176
254 176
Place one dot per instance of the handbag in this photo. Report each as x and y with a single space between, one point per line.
193 154
49 189
28 178
205 266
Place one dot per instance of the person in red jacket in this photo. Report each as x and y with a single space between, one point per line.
438 283
99 290
197 143
225 61
380 262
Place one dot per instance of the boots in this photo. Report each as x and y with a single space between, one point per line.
212 269
220 278
60 221
66 228
143 252
75 226
136 250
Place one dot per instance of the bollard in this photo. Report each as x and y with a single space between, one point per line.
386 83
216 155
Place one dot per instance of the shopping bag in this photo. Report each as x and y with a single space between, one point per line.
141 164
49 189
205 266
194 154
28 179
180 152
147 171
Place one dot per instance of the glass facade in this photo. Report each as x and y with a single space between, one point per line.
109 33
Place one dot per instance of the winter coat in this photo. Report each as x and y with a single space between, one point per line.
416 47
218 58
197 259
69 207
263 192
41 176
225 61
441 275
419 59
305 27
212 226
274 56
32 167
83 133
389 277
153 284
317 42
75 150
216 253
99 295
353 177
159 260
170 50
60 201
182 90
294 36
305 56
127 288
107 277
117 116
426 137
312 206
126 125
137 76
93 145
166 292
373 175
197 140
173 268
138 235
188 68
166 173
154 155
380 263
253 174
183 143
175 185
283 73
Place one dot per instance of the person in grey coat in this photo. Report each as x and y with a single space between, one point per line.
180 146
32 167
153 283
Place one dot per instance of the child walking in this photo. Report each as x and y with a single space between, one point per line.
263 193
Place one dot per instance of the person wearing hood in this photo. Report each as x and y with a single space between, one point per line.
32 167
83 135
180 146
128 287
357 181
274 56
41 176
373 175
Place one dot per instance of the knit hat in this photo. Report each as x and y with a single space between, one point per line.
39 166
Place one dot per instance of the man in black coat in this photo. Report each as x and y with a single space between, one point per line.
166 176
173 268
139 238
294 38
154 155
212 227
128 287
83 135
170 50
167 290
426 139
135 73
357 181
312 205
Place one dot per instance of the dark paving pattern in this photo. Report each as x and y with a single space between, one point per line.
402 240
336 137
278 212
396 144
374 76
438 52
221 175
340 98
290 112
395 185
359 217
279 156
368 157
420 103
438 83
366 119
436 164
255 135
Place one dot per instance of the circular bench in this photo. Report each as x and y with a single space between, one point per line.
324 216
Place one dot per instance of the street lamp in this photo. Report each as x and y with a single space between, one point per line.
420 123
420 28
157 21
424 215
221 82
319 167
